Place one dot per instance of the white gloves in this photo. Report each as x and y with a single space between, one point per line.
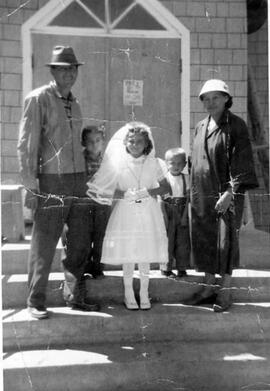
132 195
142 193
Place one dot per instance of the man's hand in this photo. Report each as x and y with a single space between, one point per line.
31 199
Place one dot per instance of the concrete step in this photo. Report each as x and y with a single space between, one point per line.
247 285
148 366
172 346
15 258
243 322
254 250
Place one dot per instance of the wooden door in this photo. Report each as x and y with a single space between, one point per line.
116 71
154 67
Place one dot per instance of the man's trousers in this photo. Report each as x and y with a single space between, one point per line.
62 200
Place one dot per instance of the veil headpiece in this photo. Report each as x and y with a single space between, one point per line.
102 186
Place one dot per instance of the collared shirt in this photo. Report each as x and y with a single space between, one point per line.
179 188
49 136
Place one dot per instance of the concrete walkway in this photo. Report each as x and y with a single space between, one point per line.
171 347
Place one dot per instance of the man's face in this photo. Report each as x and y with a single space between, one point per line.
64 76
176 164
94 143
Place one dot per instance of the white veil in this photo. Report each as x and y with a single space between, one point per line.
102 186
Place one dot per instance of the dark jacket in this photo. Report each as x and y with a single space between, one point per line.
221 158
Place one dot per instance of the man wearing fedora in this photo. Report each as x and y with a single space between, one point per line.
52 169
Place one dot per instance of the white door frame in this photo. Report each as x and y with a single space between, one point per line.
38 23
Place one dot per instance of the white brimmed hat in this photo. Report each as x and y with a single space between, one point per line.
214 85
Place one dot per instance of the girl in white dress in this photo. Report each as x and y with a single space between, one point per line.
136 232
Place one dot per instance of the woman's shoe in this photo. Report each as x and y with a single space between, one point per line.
223 301
131 305
221 307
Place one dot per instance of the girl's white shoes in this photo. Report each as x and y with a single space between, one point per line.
131 304
145 305
145 302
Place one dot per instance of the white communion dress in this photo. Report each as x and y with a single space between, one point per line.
136 232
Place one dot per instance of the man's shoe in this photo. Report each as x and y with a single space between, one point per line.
83 306
38 312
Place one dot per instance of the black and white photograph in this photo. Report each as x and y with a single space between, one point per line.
135 196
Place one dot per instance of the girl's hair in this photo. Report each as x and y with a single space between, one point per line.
91 130
144 130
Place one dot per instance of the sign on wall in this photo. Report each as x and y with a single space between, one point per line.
133 92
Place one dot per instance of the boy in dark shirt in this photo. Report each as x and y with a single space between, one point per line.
176 212
92 140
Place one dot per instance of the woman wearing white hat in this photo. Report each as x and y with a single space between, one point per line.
222 170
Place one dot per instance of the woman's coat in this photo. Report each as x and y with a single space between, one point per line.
221 158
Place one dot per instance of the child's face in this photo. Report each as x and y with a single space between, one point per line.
136 144
176 164
94 143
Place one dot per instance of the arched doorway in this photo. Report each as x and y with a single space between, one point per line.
133 63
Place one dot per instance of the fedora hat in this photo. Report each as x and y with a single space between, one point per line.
63 56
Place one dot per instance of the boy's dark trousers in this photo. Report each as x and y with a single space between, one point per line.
178 234
99 216
62 201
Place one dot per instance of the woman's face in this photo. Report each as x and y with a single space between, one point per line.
136 144
214 102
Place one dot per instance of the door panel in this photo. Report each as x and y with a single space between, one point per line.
110 61
155 62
